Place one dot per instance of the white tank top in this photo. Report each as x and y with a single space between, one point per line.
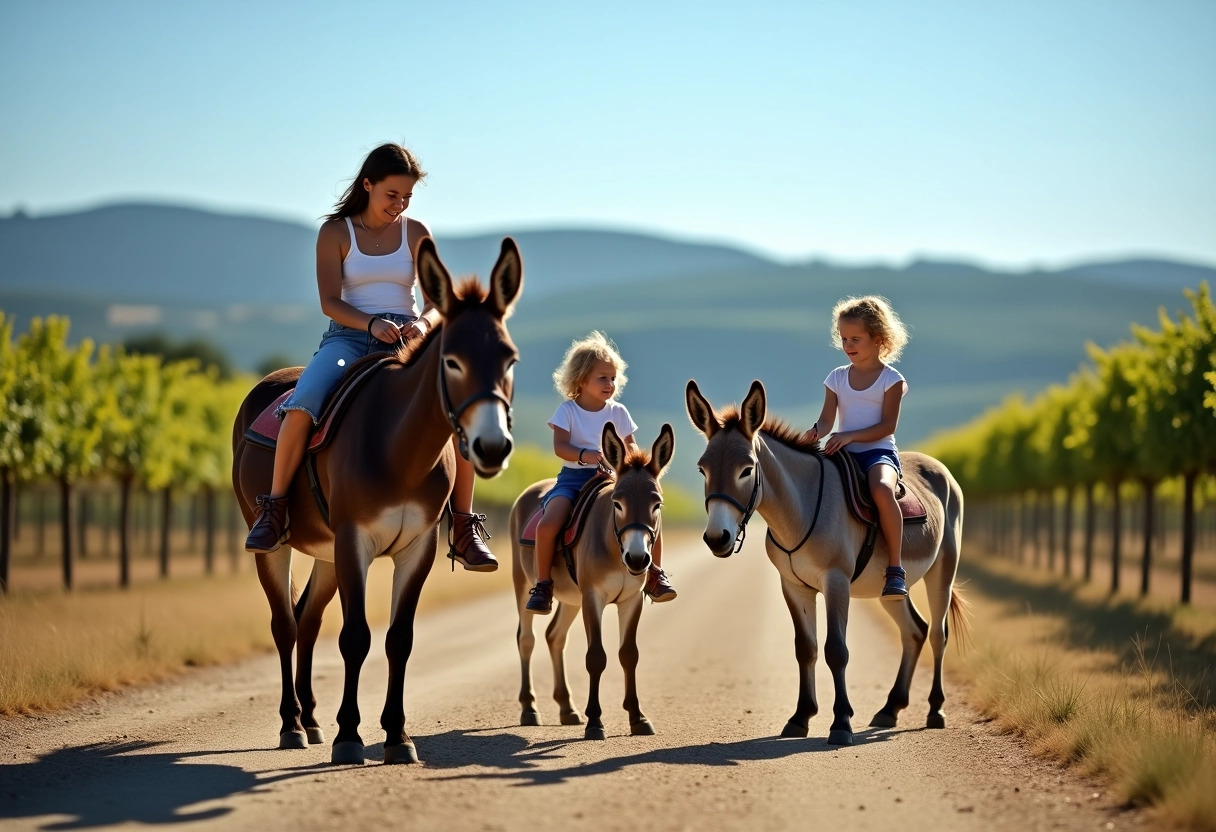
381 283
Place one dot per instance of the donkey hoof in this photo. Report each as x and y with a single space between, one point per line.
793 730
293 739
400 754
882 719
348 753
315 736
642 728
594 732
840 737
529 717
572 718
936 720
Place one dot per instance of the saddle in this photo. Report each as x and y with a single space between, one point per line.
265 428
861 505
573 530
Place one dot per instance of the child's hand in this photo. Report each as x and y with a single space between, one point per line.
590 457
811 435
836 441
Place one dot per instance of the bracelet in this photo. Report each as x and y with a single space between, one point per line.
580 456
371 321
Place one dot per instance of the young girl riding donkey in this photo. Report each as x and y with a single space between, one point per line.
867 393
590 376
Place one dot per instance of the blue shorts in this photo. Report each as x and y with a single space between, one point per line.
340 347
570 481
877 456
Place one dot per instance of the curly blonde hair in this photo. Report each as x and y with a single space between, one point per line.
580 360
880 320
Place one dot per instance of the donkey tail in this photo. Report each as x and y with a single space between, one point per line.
960 618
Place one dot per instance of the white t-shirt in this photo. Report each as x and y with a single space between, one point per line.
857 409
587 427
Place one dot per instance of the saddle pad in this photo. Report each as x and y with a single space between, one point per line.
265 428
578 515
860 501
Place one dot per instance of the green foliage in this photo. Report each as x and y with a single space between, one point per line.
1145 409
206 353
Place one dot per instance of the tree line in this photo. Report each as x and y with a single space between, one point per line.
86 413
1138 418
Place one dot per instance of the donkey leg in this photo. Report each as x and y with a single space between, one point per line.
630 613
913 630
801 602
354 641
274 573
939 582
410 569
836 653
597 660
555 637
309 609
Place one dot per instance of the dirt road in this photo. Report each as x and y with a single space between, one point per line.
716 678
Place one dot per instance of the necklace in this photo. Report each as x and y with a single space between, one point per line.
376 233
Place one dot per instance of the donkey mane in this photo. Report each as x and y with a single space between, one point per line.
636 458
778 429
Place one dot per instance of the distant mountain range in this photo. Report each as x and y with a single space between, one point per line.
677 310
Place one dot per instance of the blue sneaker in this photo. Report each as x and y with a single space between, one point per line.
895 589
541 599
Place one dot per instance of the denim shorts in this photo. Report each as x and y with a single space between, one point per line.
570 481
341 346
877 456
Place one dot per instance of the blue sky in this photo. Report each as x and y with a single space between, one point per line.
1009 133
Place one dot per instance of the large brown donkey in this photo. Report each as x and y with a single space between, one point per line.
755 464
386 475
611 558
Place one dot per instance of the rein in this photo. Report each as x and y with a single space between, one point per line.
814 519
746 511
454 414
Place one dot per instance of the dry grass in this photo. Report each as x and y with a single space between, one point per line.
1120 689
57 648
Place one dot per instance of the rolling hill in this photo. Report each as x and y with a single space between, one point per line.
677 310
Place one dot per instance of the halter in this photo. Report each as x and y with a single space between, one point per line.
746 511
651 532
454 414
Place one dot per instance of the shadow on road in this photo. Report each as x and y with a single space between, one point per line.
110 783
517 759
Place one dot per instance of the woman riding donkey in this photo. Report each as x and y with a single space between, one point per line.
365 277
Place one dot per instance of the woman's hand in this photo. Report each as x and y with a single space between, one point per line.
415 330
384 331
811 435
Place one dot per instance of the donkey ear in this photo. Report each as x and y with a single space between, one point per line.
507 278
433 277
699 410
753 410
614 448
662 451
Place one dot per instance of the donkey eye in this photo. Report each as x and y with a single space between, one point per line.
452 364
747 472
700 470
617 506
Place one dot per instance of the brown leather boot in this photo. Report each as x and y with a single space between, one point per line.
658 587
466 543
271 529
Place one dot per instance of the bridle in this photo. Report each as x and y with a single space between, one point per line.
454 413
651 532
745 511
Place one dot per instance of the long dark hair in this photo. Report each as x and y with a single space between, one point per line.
385 161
